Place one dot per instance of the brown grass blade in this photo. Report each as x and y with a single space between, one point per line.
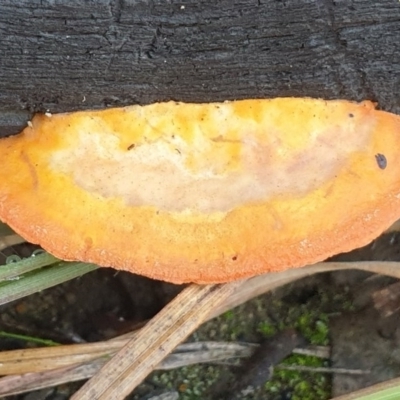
185 354
154 342
15 384
71 356
258 285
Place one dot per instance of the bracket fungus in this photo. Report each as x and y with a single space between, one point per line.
204 192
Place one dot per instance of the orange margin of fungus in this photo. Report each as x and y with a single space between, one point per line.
336 161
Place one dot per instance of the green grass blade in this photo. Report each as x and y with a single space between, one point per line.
389 390
26 338
12 270
42 279
388 394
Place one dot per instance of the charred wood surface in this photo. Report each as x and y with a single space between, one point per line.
63 55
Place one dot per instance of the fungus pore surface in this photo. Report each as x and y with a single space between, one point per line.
204 192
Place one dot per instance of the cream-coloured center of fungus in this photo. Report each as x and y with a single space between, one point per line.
207 170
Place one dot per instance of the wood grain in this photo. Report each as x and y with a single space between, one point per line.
69 55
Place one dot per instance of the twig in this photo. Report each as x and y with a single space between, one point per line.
325 370
206 352
166 396
259 367
315 351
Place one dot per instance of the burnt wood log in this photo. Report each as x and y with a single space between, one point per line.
63 55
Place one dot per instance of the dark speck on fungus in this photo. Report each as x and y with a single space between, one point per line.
381 160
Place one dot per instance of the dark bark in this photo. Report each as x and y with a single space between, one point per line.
62 55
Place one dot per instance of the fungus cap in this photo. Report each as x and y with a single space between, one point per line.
204 192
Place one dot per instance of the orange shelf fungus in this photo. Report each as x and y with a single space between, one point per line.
204 192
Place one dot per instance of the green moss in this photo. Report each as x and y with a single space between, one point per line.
228 315
302 385
313 325
265 316
314 328
267 329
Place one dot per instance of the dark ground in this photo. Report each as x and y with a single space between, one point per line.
73 54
